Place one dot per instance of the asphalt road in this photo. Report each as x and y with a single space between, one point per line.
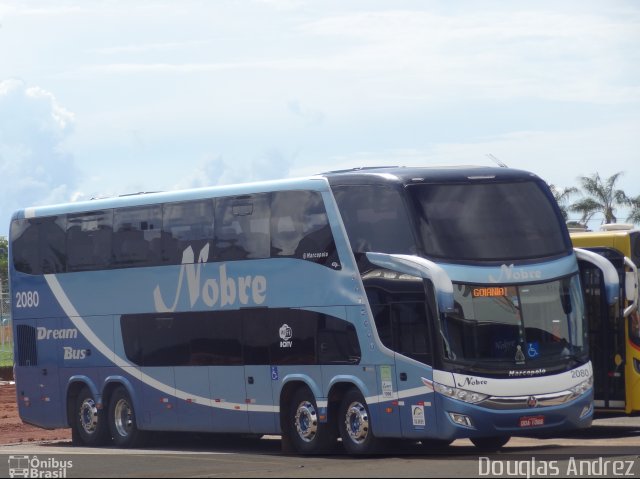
610 448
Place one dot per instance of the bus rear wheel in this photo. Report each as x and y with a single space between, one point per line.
122 421
308 435
490 444
354 422
89 423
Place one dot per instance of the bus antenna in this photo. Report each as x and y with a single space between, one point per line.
497 161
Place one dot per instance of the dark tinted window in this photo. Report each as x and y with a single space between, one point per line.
39 245
242 227
226 337
89 240
259 336
255 336
337 342
488 221
293 337
399 306
184 339
300 228
136 236
404 328
375 218
188 224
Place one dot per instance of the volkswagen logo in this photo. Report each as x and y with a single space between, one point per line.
532 401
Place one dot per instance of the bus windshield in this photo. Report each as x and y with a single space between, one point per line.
487 221
516 325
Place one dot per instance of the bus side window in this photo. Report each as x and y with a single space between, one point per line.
300 228
375 218
24 241
242 227
39 245
184 225
89 240
412 330
136 236
337 342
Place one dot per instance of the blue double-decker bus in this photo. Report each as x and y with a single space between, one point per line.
425 304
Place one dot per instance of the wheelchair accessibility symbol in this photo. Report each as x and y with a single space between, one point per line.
534 350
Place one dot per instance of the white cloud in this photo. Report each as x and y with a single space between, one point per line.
33 162
216 170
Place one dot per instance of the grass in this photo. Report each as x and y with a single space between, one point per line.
6 354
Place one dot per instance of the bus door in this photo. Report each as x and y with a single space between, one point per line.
411 323
404 322
258 335
606 334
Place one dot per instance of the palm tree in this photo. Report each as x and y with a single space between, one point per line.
603 197
562 196
634 216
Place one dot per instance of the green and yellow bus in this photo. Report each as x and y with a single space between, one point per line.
615 343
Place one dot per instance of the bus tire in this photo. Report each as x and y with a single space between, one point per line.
490 444
90 422
122 421
308 435
354 423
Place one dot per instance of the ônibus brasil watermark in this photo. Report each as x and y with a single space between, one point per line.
32 466
570 467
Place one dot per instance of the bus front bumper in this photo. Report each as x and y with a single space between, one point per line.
463 420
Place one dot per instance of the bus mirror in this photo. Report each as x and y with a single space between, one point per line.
423 268
631 287
609 272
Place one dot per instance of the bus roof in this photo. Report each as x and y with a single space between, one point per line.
407 175
396 174
316 183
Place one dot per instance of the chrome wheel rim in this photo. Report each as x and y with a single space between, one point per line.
306 421
89 416
356 421
123 417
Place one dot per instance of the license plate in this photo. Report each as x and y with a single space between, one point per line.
531 421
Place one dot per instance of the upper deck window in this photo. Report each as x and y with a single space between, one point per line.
488 221
375 218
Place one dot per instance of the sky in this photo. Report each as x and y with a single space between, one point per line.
110 97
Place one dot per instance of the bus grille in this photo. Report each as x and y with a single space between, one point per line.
27 354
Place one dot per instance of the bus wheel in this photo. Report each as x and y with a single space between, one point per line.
354 422
122 420
308 434
90 424
490 444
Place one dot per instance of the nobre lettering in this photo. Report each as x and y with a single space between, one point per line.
509 273
223 290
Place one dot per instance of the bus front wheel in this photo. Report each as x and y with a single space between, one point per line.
307 433
89 424
122 420
354 422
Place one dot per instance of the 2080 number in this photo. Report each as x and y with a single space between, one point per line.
27 299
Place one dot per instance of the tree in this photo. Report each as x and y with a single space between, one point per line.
634 216
602 197
4 269
562 197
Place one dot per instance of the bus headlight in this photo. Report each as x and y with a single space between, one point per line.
471 397
582 388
